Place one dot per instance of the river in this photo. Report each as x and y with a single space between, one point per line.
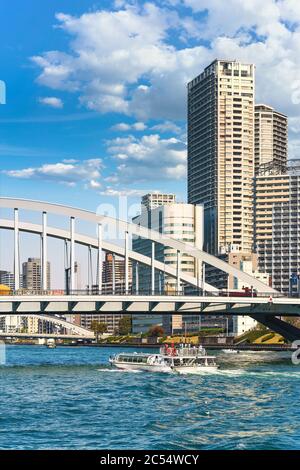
69 398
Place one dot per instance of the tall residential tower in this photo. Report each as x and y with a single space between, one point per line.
221 153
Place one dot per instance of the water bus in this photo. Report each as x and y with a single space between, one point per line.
185 359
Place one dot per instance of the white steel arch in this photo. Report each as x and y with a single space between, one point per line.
107 246
135 230
76 329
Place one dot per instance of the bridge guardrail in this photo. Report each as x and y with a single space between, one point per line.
143 293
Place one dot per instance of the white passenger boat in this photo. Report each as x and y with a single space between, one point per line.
185 359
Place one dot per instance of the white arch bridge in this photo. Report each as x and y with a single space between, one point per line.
192 295
61 328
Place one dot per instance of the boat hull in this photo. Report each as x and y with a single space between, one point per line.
142 367
163 368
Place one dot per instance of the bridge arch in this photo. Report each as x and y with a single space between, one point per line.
133 229
72 327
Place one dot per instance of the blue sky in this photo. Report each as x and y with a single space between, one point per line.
96 97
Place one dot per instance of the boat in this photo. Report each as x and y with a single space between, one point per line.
185 359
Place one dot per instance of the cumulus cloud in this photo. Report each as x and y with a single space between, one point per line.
69 172
125 61
148 158
109 191
123 127
136 60
167 127
52 101
122 61
134 161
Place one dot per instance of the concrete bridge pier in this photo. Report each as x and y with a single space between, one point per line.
285 329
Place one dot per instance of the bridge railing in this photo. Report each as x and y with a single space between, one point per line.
141 292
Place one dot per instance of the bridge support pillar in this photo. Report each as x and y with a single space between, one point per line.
203 277
126 263
137 278
178 271
153 268
44 252
99 259
113 273
16 250
72 254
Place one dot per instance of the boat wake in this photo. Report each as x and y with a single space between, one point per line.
106 369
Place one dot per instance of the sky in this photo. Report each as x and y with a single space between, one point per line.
96 90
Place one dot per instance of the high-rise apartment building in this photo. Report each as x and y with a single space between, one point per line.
114 268
271 136
32 274
277 219
221 152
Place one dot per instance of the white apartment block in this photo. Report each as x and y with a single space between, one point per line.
271 136
277 221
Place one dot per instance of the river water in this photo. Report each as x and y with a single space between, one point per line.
69 398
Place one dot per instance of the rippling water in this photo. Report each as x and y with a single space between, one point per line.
68 398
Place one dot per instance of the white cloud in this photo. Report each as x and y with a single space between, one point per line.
130 60
123 127
109 191
69 172
52 101
148 159
167 127
124 61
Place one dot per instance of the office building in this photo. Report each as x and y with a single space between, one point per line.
221 153
271 136
32 274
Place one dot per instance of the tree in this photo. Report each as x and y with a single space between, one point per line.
156 331
98 328
125 325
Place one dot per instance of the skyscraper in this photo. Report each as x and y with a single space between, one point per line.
32 274
271 136
221 152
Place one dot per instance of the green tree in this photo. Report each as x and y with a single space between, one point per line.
98 328
125 325
156 331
